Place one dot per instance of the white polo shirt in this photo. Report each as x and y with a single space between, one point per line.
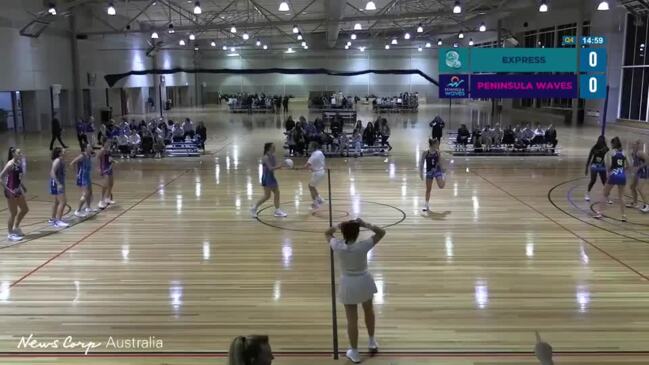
317 161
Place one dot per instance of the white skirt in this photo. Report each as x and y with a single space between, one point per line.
356 289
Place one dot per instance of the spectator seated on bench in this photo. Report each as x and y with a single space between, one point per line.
177 133
463 136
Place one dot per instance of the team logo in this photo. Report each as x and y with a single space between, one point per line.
453 86
455 82
453 59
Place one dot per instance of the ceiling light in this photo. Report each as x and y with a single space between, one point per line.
192 37
245 36
406 36
439 42
233 29
419 49
303 44
233 49
283 6
455 45
197 8
52 9
428 45
111 9
603 6
358 26
353 36
299 37
265 46
181 42
394 41
471 42
154 35
362 49
225 48
296 30
346 46
171 29
483 27
195 48
306 47
461 35
370 5
457 8
213 44
420 28
232 54
387 46
258 43
290 50
544 7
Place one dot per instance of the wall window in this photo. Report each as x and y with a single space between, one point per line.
635 71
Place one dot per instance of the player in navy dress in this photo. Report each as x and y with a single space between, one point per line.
616 175
57 188
269 182
83 167
638 176
431 162
106 172
12 177
596 164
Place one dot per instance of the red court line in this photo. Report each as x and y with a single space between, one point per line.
643 276
96 230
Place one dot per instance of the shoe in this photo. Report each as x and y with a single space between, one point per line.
101 205
110 201
587 197
631 205
645 209
354 356
14 237
319 200
315 205
373 346
426 208
51 221
91 210
610 201
19 232
280 213
598 215
79 214
623 218
253 212
61 224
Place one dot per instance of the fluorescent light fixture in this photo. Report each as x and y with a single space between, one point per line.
428 45
233 29
233 49
213 44
192 37
303 44
245 36
394 41
111 9
370 6
457 8
483 27
603 6
296 30
406 36
544 7
154 35
181 42
348 44
358 26
283 6
197 8
225 48
299 37
353 36
461 35
306 47
420 28
362 49
265 47
289 50
387 46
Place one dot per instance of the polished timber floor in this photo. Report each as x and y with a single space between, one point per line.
509 248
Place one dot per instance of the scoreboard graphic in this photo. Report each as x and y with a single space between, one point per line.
513 73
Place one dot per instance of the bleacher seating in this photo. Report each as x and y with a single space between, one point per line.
500 150
182 149
346 115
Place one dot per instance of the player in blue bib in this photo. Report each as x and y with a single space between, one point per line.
83 166
639 174
431 163
616 175
57 188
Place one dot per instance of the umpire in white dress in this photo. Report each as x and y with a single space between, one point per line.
356 283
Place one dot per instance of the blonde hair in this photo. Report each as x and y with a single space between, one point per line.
245 349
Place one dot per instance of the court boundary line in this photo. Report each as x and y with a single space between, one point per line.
601 250
82 239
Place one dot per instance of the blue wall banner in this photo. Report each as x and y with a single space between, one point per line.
524 86
453 86
592 60
523 60
453 60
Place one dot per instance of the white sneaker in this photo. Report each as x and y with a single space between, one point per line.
610 201
101 205
61 224
315 205
91 210
426 208
320 200
19 232
78 214
110 201
14 237
645 209
51 221
598 215
587 197
372 345
253 212
280 213
354 356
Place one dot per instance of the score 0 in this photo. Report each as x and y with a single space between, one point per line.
592 60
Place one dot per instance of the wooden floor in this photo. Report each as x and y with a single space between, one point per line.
509 248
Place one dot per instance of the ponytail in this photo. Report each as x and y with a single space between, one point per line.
10 154
246 350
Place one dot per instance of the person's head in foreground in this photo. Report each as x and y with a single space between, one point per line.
250 350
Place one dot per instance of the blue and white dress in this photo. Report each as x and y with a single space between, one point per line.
617 175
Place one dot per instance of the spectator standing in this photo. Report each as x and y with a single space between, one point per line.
285 104
201 131
56 132
438 125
